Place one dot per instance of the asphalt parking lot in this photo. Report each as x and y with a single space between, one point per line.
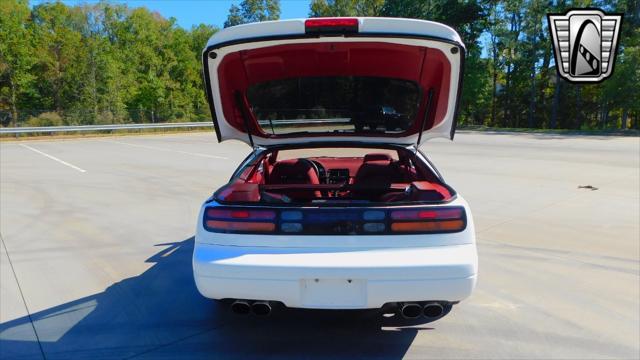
97 235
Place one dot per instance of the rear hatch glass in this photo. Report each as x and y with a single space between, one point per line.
346 104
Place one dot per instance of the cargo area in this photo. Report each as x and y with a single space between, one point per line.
340 176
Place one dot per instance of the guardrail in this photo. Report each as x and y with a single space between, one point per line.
78 128
54 129
305 121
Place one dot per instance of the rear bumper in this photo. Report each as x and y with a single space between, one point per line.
335 278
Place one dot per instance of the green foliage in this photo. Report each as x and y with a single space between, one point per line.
253 11
326 8
107 63
510 78
45 119
235 16
16 55
99 63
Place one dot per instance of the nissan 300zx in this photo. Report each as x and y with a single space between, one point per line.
332 210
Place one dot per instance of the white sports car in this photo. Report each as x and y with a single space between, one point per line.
335 207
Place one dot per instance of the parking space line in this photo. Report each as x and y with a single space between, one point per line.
24 300
53 158
169 150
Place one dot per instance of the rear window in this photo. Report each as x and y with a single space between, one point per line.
334 152
335 104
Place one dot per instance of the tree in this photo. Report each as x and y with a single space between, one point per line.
328 8
626 76
253 11
199 36
235 16
16 53
105 62
534 34
496 26
59 43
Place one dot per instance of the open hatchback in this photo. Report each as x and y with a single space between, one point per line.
373 80
335 207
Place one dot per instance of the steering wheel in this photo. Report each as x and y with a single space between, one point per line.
320 172
313 165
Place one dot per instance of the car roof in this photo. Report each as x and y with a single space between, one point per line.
366 25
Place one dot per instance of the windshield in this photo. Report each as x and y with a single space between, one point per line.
334 104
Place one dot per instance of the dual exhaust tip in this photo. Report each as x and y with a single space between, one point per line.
408 310
414 310
243 307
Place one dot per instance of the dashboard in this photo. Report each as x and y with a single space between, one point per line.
336 170
337 176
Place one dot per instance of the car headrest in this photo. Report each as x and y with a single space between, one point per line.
377 157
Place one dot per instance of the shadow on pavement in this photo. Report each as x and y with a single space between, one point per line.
160 314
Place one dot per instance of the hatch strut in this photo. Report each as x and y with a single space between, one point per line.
245 114
273 131
426 116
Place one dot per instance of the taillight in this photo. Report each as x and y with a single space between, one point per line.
331 221
232 226
239 220
432 220
241 214
432 226
331 25
431 214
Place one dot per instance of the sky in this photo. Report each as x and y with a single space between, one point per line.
193 12
211 12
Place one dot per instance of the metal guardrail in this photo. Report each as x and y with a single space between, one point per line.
306 121
54 129
78 128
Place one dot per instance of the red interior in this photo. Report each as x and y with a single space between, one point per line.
375 177
426 66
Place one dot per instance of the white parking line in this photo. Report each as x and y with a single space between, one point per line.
170 150
53 158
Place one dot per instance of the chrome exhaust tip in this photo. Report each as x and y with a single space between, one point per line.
240 307
261 308
433 310
410 310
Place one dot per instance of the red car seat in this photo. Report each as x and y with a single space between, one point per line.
296 171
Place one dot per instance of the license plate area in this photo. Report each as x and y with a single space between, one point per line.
333 293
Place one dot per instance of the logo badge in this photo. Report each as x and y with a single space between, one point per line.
585 43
